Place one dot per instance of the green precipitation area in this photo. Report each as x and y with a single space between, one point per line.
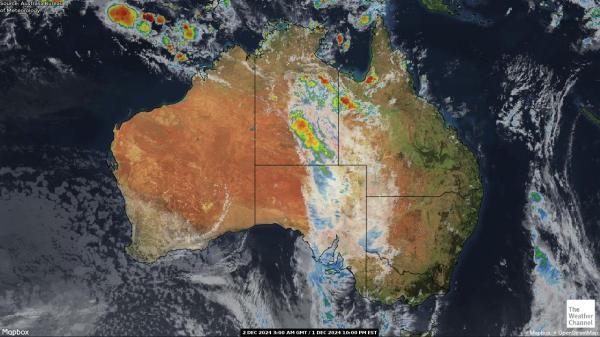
540 257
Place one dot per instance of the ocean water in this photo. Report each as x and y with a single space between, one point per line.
511 88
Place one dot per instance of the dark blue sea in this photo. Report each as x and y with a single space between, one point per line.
63 224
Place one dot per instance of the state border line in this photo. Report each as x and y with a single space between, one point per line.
339 164
338 118
254 130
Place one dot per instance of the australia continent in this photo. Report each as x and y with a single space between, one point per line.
364 166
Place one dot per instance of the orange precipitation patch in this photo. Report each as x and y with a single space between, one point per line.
326 83
160 20
189 32
123 15
347 102
181 57
323 80
301 128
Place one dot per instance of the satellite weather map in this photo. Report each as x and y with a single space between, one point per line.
299 167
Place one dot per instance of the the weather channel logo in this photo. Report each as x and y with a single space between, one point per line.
581 313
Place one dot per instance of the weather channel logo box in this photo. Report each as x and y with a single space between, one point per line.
581 314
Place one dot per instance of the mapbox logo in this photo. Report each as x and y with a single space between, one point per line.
15 332
581 313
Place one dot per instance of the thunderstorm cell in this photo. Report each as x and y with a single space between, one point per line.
123 15
148 17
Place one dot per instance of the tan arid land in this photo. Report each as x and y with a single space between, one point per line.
281 137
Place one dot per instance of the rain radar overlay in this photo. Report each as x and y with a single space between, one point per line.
300 168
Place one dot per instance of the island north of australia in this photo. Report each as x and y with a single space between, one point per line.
361 167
